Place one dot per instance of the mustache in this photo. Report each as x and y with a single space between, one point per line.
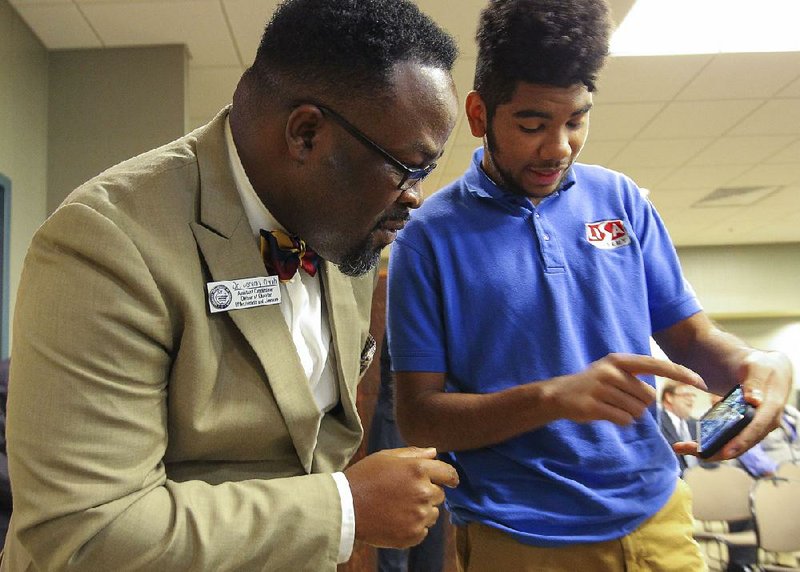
550 166
397 215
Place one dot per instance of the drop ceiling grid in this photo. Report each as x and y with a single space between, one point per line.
145 23
790 154
745 221
687 114
681 124
59 26
247 20
682 71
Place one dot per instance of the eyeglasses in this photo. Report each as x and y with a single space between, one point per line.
411 175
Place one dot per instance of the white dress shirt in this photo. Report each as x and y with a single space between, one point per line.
306 316
682 431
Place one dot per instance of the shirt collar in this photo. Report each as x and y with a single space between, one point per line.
257 214
676 421
479 183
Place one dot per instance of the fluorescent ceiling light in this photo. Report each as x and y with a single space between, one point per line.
673 27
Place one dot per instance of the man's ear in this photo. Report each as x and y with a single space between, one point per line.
476 114
302 130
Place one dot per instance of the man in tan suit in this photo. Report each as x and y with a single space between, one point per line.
173 406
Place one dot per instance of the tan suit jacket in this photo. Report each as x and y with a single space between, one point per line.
146 433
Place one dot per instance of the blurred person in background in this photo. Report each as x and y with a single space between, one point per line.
675 417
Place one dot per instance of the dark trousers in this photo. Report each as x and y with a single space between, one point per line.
741 557
429 555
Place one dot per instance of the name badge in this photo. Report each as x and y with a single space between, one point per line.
240 294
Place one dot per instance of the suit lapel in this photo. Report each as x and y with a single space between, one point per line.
344 320
229 249
668 428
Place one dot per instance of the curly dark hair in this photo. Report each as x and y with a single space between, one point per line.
341 46
551 42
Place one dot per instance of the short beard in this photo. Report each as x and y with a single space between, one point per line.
360 261
367 255
506 181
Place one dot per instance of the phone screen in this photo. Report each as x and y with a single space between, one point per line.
722 422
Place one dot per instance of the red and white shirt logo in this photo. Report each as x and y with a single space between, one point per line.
607 234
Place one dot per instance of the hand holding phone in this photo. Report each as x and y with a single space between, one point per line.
723 422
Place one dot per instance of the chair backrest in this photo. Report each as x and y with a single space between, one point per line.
776 507
788 470
720 492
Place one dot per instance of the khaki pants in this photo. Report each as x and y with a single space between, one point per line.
662 543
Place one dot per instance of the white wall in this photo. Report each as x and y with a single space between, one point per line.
67 115
23 133
108 105
781 334
753 281
754 293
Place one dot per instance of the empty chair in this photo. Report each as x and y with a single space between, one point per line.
789 470
776 507
721 493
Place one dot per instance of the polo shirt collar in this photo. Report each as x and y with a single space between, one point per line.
479 184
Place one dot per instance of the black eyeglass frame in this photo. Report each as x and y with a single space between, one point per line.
411 175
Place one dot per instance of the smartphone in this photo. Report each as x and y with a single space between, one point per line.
723 422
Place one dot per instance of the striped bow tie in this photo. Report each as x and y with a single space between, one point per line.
283 254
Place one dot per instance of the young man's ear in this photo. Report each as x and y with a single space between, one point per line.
302 129
476 114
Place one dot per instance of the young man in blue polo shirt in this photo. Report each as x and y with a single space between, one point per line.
521 302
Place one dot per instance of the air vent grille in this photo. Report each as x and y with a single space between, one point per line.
735 196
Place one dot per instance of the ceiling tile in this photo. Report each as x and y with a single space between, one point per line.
645 115
620 9
165 22
688 227
792 90
778 174
790 154
685 214
650 78
781 230
59 26
735 76
677 198
786 200
698 118
735 196
695 176
621 120
776 117
660 152
645 177
747 219
600 152
744 150
248 19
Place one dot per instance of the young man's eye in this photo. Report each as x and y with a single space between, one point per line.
531 129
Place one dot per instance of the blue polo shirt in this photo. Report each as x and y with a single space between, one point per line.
496 293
